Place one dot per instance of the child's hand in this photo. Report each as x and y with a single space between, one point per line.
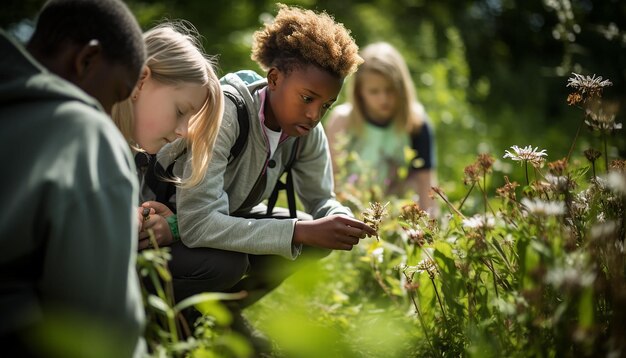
337 232
155 221
161 230
158 208
142 214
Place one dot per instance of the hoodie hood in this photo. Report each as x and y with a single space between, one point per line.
23 78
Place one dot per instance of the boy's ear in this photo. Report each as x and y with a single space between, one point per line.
87 58
273 76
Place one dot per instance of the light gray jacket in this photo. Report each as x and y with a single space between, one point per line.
204 211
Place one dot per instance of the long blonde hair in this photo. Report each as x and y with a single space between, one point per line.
382 58
175 56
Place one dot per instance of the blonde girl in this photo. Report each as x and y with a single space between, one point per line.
177 102
381 118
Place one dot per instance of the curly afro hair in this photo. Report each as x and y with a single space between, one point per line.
299 37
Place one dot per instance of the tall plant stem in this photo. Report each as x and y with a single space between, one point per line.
571 149
593 168
466 196
443 311
606 152
421 319
526 170
449 204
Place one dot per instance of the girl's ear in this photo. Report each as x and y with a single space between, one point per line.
273 76
145 74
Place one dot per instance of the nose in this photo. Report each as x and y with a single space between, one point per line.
314 113
182 129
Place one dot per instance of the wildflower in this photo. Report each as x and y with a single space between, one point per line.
374 215
527 154
617 182
618 165
570 276
412 213
508 190
592 154
586 87
472 174
560 183
485 161
479 222
601 120
416 236
558 167
377 254
429 266
543 208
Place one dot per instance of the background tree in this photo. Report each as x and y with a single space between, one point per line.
490 72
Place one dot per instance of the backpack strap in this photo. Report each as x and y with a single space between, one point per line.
160 180
287 185
244 125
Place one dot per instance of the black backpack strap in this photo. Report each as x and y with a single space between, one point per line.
287 185
161 180
244 125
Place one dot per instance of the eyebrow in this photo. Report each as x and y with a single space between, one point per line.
315 94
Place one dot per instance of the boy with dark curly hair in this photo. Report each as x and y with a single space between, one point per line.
226 230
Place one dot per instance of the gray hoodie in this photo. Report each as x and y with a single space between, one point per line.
204 211
68 228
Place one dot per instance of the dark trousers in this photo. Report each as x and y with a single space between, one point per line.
196 270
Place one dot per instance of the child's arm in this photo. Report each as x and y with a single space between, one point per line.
204 214
337 232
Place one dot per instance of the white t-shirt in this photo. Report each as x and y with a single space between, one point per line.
273 138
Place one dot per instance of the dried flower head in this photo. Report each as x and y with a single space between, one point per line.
592 154
618 165
472 174
527 154
485 162
558 167
508 190
374 215
412 213
586 87
574 98
429 266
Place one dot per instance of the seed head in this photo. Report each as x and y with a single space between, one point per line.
374 215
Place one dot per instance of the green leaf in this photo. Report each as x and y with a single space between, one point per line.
160 305
585 308
208 297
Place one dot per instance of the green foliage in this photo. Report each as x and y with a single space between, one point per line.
536 269
168 333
